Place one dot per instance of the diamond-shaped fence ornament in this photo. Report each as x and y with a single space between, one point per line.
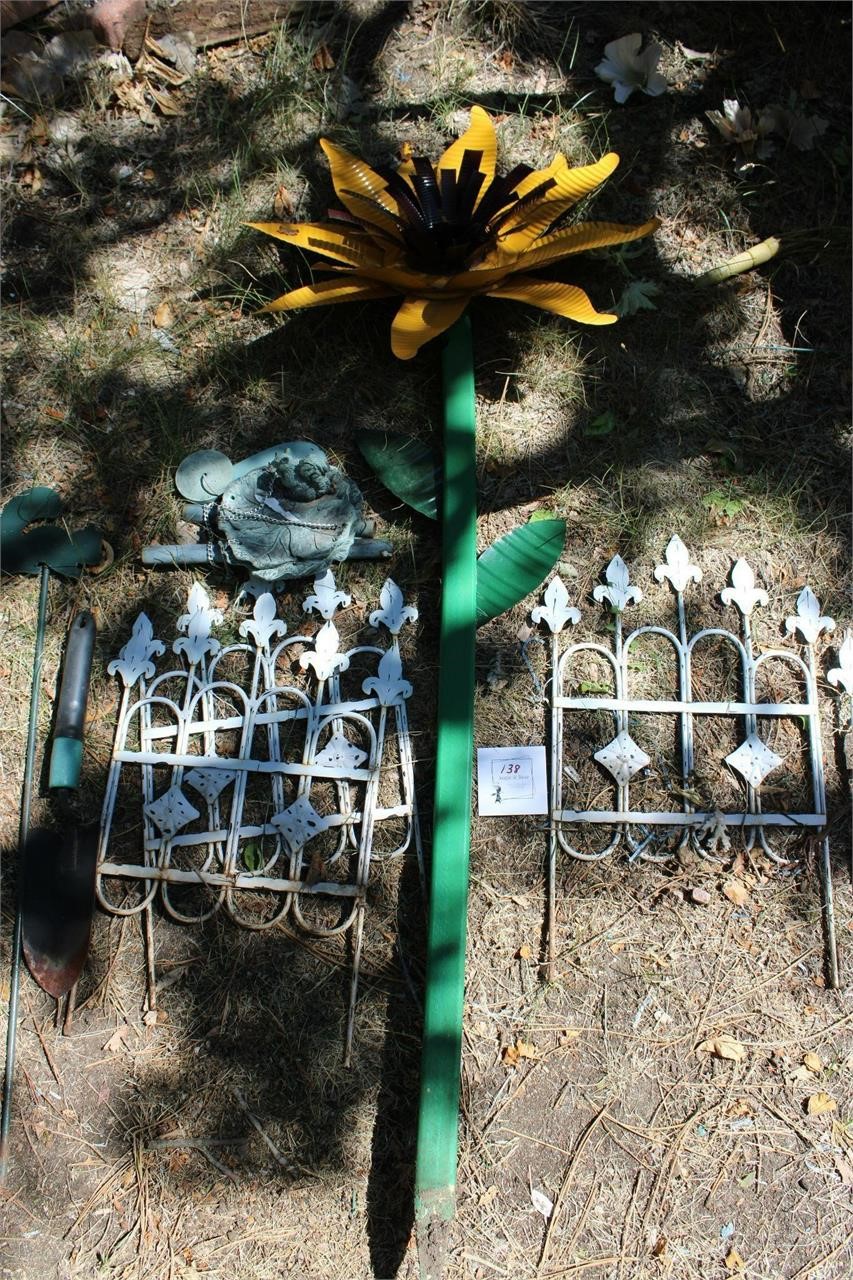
210 782
340 753
754 760
171 811
298 823
622 757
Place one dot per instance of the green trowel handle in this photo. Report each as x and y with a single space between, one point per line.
67 751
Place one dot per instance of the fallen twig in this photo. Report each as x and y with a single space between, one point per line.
255 1122
568 1178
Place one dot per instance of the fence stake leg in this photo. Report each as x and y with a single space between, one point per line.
828 914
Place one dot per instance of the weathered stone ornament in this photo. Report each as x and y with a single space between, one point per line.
281 514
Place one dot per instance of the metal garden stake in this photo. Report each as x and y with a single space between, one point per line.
34 551
57 893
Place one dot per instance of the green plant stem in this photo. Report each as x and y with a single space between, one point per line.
435 1177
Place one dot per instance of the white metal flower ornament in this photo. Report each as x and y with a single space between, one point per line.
627 69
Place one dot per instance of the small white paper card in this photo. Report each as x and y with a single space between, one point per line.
511 780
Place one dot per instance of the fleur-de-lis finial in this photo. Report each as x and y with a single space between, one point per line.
326 599
743 593
196 622
618 592
263 624
134 660
842 675
678 568
808 620
392 613
556 610
389 685
326 658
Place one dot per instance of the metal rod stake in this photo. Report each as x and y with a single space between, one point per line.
23 833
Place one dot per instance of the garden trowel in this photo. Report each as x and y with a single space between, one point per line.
58 890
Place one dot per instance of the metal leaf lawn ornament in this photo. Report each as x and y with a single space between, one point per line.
407 466
436 236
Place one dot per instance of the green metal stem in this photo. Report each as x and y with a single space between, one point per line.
435 1176
23 833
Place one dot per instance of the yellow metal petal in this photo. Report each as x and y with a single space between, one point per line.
564 299
355 246
406 166
479 136
351 175
523 228
421 319
586 235
403 280
539 175
338 289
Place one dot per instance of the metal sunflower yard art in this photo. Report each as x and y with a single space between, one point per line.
440 235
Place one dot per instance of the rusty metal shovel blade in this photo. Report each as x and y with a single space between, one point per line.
57 902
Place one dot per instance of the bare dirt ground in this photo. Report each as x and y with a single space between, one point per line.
228 1140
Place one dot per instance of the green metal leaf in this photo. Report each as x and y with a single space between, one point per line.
602 425
406 466
253 859
516 564
25 550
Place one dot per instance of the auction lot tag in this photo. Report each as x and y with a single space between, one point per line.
511 780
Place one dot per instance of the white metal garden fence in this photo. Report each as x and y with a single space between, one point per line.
263 770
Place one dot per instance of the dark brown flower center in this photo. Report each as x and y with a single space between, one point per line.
443 227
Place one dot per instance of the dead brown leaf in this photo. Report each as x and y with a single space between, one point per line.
323 60
740 1107
164 316
724 1046
38 130
512 1054
736 892
813 1063
734 1262
118 1040
820 1103
33 179
282 204
167 102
